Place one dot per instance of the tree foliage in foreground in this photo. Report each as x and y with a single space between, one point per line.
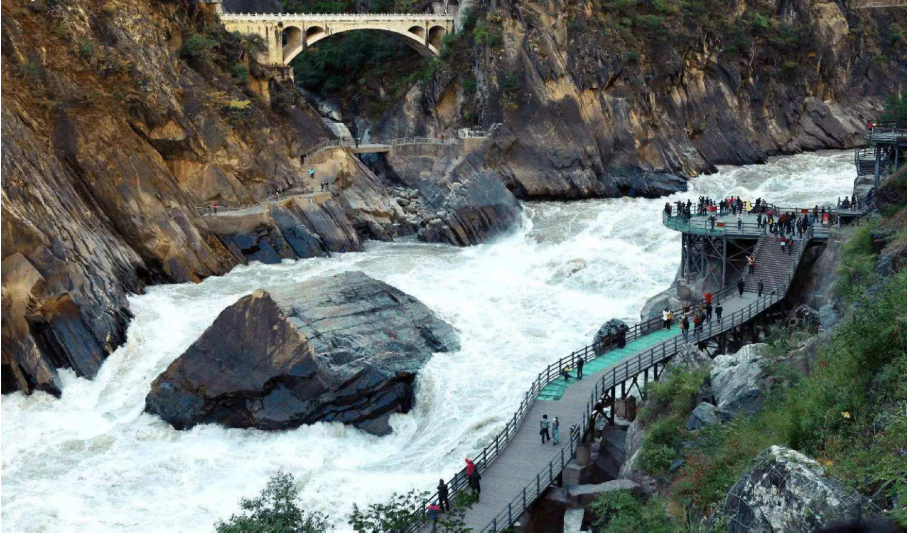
275 510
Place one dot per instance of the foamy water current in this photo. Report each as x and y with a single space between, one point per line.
94 461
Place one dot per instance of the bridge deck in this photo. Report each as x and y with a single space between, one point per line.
727 225
517 465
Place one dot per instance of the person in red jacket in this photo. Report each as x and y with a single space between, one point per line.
470 467
708 297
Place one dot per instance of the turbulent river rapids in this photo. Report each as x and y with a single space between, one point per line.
94 461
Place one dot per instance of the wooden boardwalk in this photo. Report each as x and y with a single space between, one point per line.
525 456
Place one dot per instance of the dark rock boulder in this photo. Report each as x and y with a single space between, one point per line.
704 415
344 348
787 491
612 450
689 358
637 183
613 329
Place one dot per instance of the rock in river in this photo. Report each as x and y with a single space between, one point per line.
344 348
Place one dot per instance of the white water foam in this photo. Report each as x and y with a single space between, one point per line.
94 461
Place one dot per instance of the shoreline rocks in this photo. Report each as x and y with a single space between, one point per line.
344 348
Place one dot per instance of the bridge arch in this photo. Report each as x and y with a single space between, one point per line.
415 37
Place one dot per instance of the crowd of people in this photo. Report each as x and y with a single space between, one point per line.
769 218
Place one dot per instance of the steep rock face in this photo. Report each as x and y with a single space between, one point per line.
345 348
738 381
596 97
787 491
462 200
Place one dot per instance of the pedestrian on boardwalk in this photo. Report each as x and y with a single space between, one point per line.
579 368
555 431
443 496
783 243
565 372
739 223
740 286
760 289
697 324
708 297
670 319
685 327
433 512
718 311
708 311
474 483
664 319
544 425
751 260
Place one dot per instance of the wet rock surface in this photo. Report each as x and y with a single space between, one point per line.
612 329
345 348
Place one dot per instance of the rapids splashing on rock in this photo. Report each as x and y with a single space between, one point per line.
94 461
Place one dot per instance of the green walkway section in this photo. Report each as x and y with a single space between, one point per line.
554 390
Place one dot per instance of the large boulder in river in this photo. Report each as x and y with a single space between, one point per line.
787 491
344 348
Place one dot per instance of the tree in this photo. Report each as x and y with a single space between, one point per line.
199 47
896 107
404 510
275 510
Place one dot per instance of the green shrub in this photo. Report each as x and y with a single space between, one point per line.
858 261
620 511
895 107
199 47
275 509
240 72
469 85
511 83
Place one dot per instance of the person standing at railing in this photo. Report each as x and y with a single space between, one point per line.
474 480
718 311
664 318
759 289
739 222
579 368
685 327
470 467
443 496
708 311
555 431
544 426
670 318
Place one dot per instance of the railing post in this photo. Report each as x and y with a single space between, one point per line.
509 515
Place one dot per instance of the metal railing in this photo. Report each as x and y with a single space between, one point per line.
622 372
888 132
335 17
553 372
349 142
214 209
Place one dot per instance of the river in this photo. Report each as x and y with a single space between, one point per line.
94 461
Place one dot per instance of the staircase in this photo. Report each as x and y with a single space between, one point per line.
865 160
772 265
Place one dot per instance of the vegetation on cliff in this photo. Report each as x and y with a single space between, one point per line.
847 411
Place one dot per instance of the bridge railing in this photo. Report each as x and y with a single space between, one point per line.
621 373
334 17
214 209
349 142
888 131
551 373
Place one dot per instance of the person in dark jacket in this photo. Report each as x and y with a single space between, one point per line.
718 311
760 289
474 483
443 496
740 286
579 368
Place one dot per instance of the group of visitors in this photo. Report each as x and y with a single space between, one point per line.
473 479
550 430
701 316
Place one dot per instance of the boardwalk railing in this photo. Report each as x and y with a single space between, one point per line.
335 17
214 209
553 372
349 142
888 132
620 373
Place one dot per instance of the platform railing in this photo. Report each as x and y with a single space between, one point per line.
620 373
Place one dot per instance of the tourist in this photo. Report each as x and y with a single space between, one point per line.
668 209
474 484
783 243
670 318
708 311
718 311
433 511
565 372
697 324
443 496
664 319
470 467
740 286
311 173
555 431
685 327
760 288
751 260
544 425
739 222
579 368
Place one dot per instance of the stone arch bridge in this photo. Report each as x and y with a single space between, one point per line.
289 34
